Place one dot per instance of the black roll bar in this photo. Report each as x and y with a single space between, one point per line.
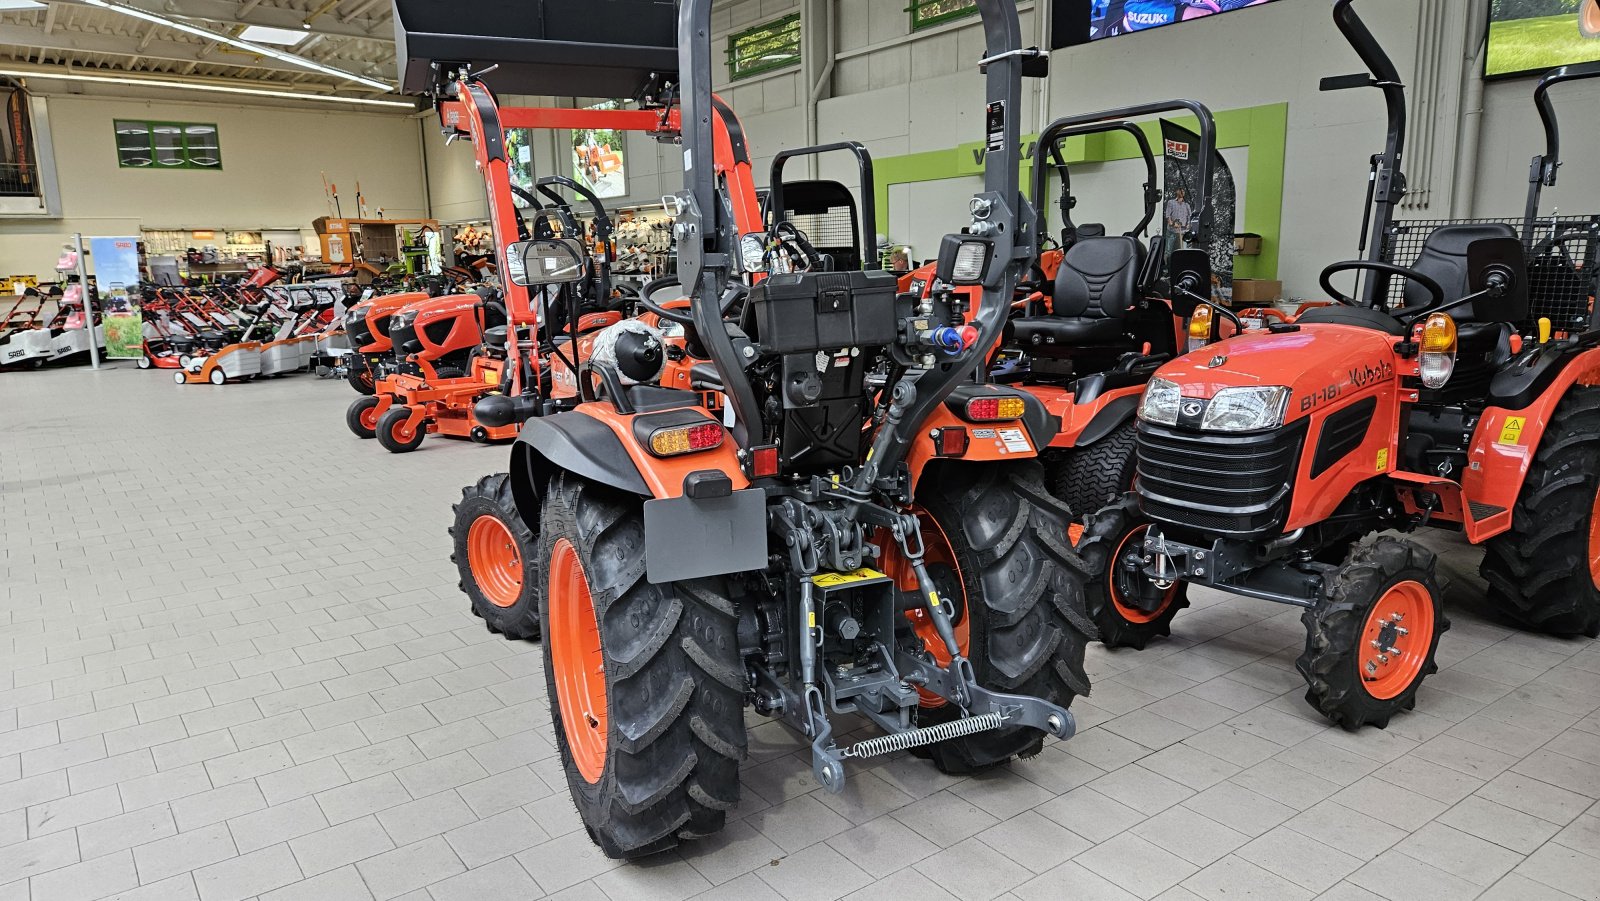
1547 166
1070 202
867 227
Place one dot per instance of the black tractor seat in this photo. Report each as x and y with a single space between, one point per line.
1096 288
705 376
495 337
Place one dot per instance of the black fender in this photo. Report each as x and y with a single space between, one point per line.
1042 427
1109 419
569 442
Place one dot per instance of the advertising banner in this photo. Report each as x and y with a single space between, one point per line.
115 265
1530 36
1182 178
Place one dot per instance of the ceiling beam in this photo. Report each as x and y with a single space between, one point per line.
229 12
147 47
50 18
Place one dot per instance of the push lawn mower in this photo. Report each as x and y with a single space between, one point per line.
848 545
1264 460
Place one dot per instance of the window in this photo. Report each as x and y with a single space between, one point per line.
925 13
167 145
765 47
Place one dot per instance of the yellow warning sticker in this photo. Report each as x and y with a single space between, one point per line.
1511 432
491 378
834 580
1383 460
813 618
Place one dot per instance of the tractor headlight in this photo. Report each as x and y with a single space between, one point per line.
1246 409
1161 401
1440 342
964 259
402 321
753 252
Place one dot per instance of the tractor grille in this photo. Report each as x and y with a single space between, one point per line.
357 332
1227 485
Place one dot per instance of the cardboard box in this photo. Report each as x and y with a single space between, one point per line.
1255 292
1247 244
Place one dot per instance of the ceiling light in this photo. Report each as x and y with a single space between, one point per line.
192 86
266 34
20 4
235 42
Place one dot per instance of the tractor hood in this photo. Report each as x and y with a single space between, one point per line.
1319 363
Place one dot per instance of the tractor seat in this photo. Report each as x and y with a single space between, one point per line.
495 337
1096 287
705 376
1485 327
1361 317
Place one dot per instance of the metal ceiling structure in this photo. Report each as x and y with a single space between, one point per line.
97 38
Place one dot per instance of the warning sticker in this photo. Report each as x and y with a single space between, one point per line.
1511 432
1383 460
1015 441
834 580
996 129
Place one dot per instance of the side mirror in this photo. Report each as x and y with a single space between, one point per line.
1190 279
1498 265
535 264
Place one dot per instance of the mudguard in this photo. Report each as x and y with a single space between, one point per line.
578 444
1117 410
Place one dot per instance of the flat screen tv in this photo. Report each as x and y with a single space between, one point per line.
1081 21
1534 36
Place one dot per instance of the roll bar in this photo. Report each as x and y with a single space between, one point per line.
1152 194
1111 120
1386 186
1546 167
869 190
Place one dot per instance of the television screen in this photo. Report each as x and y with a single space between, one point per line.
1108 18
1527 36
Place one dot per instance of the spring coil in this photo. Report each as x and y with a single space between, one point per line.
916 738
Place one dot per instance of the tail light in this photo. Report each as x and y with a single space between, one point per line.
1201 323
764 461
1439 344
996 409
953 441
686 439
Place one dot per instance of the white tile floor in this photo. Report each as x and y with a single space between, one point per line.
234 664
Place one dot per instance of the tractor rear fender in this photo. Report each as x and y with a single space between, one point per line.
1506 441
1092 410
1019 439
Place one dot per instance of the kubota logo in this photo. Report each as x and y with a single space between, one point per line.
1362 376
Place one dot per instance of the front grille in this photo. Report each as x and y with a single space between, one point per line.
1232 485
357 331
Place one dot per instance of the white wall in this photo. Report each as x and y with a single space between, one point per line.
271 176
1514 135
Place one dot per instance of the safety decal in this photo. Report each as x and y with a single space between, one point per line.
1383 460
1015 441
834 580
1511 432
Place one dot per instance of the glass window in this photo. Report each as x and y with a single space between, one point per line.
932 12
765 47
167 145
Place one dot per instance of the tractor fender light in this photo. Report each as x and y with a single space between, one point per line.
686 439
952 441
996 409
764 462
1439 342
1201 323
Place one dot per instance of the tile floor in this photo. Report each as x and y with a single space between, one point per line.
234 664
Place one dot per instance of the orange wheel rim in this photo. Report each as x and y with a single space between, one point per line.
1395 640
369 418
403 430
496 565
578 664
1118 585
1591 15
1594 515
936 552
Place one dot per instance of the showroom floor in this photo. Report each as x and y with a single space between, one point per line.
234 664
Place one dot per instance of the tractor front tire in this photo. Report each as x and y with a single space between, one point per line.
1086 479
1545 572
1024 585
395 436
645 681
1373 633
361 418
497 555
360 378
1108 538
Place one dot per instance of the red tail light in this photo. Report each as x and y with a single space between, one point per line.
996 409
685 439
953 442
764 462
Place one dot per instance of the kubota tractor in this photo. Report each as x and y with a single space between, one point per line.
1266 461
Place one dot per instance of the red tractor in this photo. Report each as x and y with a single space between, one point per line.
1268 461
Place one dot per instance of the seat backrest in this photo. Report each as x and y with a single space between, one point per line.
1444 259
1099 278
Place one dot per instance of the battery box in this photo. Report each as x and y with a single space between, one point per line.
808 312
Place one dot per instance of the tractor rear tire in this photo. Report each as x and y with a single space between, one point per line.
360 417
1024 584
1110 535
1545 573
645 681
1362 662
497 556
392 434
1087 479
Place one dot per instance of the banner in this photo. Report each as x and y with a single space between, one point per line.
115 266
599 157
1182 179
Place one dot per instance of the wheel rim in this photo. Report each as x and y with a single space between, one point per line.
1594 533
1395 640
1119 585
369 417
402 429
1591 16
577 662
496 565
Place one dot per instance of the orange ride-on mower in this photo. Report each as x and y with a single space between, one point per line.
1265 460
848 545
366 326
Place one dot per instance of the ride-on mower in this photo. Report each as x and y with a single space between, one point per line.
871 535
1266 459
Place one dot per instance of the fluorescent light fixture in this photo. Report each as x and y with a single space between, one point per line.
209 35
266 34
192 86
20 4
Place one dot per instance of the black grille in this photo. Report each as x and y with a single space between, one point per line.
1563 263
1232 485
357 331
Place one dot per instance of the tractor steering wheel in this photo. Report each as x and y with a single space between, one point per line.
1435 292
647 300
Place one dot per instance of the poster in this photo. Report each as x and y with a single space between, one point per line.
1182 178
1529 36
115 266
599 158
